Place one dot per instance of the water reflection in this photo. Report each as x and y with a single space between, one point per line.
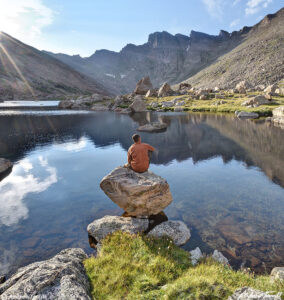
20 183
215 166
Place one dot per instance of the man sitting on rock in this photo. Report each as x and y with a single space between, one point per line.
138 155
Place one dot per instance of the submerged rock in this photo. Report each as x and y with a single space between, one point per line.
139 194
61 277
195 255
153 127
143 86
5 165
100 228
247 293
176 230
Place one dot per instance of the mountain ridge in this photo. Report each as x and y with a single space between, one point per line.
166 57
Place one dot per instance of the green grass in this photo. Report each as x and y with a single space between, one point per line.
139 267
233 104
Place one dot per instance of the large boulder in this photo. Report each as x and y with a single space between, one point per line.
195 255
176 230
256 101
219 257
153 127
242 86
247 293
151 93
5 165
139 194
143 86
184 86
277 273
65 104
59 278
165 90
138 106
100 228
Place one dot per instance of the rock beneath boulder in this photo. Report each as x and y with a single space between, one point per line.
247 115
180 103
176 230
139 194
138 106
165 90
195 255
278 115
277 273
143 86
153 127
247 293
61 277
256 101
100 228
219 257
151 93
5 165
178 109
154 104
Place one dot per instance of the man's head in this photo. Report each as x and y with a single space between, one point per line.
136 138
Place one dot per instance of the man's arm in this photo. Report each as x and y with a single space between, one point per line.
129 158
150 148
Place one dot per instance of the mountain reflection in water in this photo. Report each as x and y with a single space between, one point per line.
53 191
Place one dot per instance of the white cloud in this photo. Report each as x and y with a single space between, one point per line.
235 23
214 7
14 188
24 19
253 6
74 146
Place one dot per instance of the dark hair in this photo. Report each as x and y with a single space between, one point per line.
135 137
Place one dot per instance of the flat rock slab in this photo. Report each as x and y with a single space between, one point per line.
247 115
247 293
100 228
139 194
59 278
153 127
5 165
176 230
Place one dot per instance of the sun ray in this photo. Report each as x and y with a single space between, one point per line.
17 69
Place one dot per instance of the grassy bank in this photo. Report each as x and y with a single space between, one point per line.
231 103
139 267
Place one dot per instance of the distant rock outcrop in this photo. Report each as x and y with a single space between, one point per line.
61 277
278 115
165 90
153 127
143 86
139 194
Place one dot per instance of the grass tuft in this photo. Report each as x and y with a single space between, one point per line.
140 267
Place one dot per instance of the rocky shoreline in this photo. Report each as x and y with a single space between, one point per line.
64 276
245 101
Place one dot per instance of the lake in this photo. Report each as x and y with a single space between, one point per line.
226 177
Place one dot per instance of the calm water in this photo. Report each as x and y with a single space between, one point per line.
226 177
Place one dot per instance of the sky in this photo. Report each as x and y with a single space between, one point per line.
83 26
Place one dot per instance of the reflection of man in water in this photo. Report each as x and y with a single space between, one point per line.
138 155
